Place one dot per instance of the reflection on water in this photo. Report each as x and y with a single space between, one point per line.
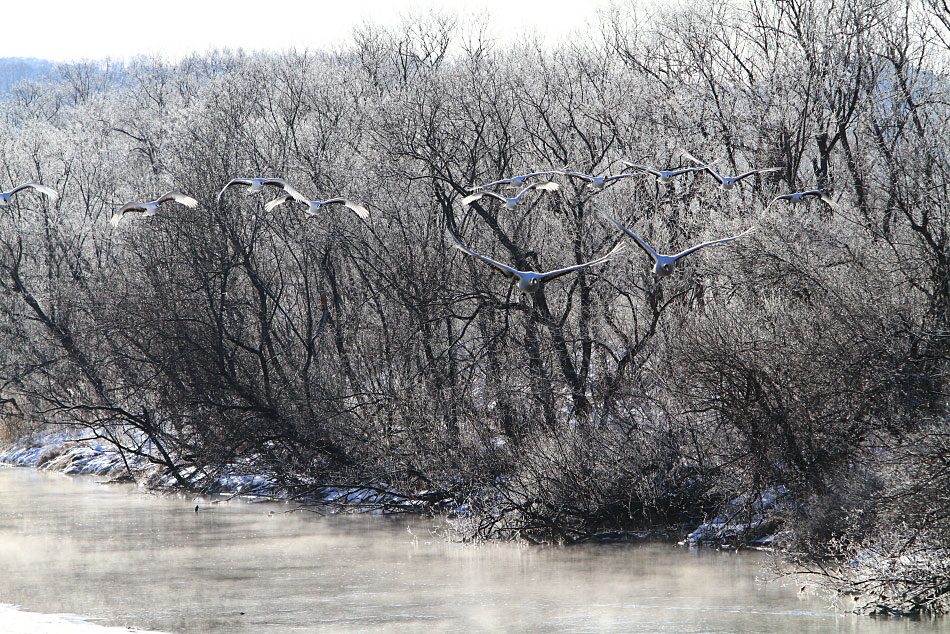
70 545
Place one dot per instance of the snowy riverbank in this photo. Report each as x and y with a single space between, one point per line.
15 621
69 453
72 454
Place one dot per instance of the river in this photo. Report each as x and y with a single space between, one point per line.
129 558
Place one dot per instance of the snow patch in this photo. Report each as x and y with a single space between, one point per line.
15 621
743 520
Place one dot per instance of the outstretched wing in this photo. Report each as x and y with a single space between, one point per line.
703 165
287 187
711 242
645 168
584 177
686 170
179 198
782 197
503 181
758 171
643 245
130 207
280 200
507 271
549 186
551 275
545 173
360 210
233 182
617 177
357 208
823 195
43 189
468 200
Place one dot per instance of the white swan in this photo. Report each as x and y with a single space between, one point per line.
256 185
531 281
151 208
314 205
799 197
511 203
597 182
664 265
517 181
727 182
5 197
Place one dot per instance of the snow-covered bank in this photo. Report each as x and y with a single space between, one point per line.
15 621
742 522
70 453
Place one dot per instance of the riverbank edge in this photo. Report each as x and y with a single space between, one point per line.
70 453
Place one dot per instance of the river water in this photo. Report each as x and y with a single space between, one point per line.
128 558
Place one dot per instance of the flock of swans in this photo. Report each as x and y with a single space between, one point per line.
663 265
528 281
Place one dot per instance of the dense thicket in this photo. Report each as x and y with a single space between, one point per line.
807 358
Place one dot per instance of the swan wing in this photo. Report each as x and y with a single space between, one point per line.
640 241
505 270
551 275
712 242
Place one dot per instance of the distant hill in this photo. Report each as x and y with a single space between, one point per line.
17 69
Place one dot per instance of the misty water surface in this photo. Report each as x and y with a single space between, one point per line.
130 558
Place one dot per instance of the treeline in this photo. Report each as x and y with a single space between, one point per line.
810 355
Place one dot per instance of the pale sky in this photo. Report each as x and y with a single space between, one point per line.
72 30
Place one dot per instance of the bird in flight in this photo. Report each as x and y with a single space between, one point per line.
511 203
664 265
516 181
151 208
5 197
799 197
256 185
598 182
664 176
531 281
727 182
314 205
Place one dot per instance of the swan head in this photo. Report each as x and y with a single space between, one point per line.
529 284
664 268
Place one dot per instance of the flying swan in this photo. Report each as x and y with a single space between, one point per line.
664 265
151 208
531 281
598 182
256 185
511 203
517 181
727 182
799 197
314 205
5 197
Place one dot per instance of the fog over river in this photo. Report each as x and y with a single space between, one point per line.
122 557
